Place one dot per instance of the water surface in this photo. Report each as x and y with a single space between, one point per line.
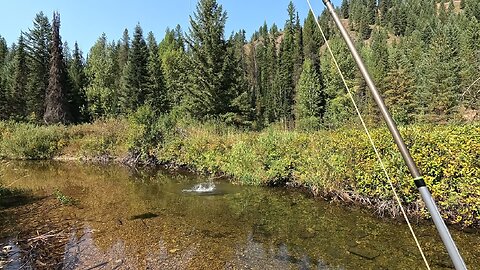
123 218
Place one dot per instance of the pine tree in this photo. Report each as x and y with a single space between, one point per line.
18 90
364 28
124 50
371 11
243 103
310 99
56 105
174 65
286 68
400 86
472 9
101 95
338 105
136 74
383 8
469 50
442 76
345 9
38 42
77 81
380 56
211 91
399 20
3 52
311 40
157 94
297 51
3 85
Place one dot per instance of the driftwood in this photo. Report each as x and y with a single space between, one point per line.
42 251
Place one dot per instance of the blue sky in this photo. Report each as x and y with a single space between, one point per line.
85 20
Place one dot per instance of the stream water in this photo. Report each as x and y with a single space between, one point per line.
126 219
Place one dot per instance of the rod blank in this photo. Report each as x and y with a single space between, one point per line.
412 167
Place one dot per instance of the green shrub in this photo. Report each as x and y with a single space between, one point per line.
102 138
64 199
343 162
28 141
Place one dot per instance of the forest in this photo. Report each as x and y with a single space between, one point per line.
423 55
271 110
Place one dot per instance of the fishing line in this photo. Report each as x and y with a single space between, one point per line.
379 158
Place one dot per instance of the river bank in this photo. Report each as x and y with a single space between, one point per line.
336 165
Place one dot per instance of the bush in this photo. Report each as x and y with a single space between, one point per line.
28 141
102 138
342 163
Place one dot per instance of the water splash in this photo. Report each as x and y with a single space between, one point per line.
202 188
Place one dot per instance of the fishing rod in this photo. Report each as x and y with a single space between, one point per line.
412 167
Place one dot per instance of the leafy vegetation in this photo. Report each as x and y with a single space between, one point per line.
64 199
29 141
339 164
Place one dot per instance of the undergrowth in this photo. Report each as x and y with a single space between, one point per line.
336 164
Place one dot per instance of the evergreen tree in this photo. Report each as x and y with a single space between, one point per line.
174 65
400 86
244 100
297 51
310 99
442 76
18 90
157 94
345 9
77 81
3 85
399 20
325 22
101 95
136 74
338 105
371 11
380 56
311 40
472 9
285 81
211 92
38 42
3 52
123 50
56 105
383 8
469 51
364 28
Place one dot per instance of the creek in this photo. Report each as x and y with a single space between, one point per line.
113 217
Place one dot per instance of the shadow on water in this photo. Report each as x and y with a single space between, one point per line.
164 220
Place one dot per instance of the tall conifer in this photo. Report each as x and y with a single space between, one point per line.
56 105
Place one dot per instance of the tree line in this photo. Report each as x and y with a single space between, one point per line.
423 54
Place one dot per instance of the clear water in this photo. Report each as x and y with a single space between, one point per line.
125 219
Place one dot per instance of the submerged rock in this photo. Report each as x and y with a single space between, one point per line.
308 233
364 252
144 216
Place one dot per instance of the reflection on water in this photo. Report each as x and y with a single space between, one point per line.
145 219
